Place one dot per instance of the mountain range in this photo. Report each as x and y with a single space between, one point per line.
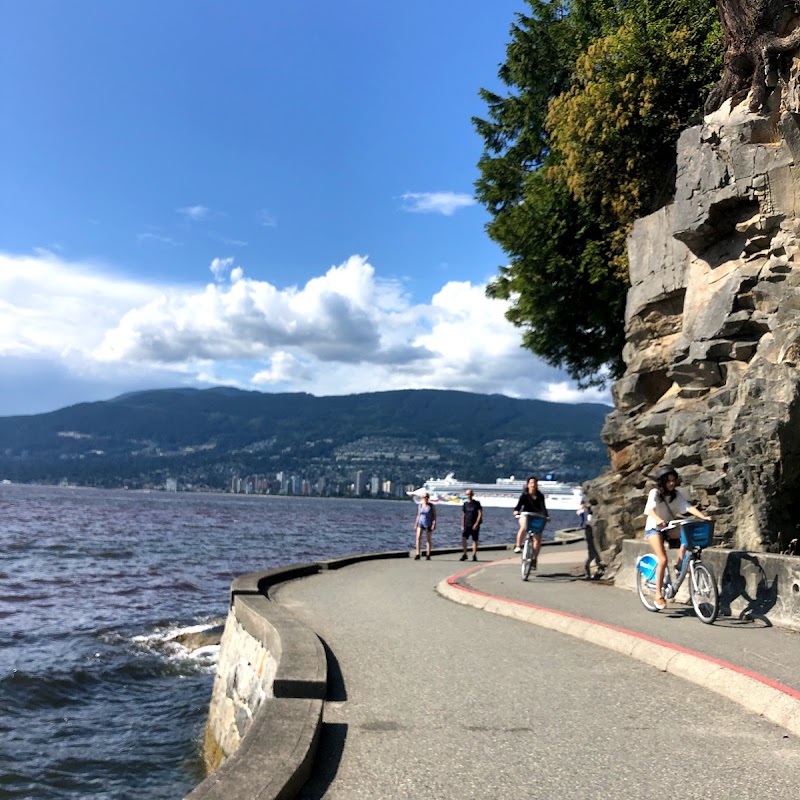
204 439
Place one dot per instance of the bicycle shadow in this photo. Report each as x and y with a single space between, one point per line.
557 577
738 566
677 611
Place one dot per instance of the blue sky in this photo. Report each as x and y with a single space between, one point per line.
275 196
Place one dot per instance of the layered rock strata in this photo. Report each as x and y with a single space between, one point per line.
713 341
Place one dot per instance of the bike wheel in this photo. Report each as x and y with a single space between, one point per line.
705 598
647 591
527 558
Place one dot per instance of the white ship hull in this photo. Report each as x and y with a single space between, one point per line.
502 494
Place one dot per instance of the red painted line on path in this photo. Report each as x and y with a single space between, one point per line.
643 636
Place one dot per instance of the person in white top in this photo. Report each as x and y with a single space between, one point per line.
665 503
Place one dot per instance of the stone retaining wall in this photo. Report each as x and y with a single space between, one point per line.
756 586
265 714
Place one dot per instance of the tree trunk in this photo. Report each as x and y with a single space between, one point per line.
757 35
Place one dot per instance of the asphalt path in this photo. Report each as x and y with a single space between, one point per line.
558 584
432 699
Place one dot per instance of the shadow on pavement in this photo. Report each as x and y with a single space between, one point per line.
332 735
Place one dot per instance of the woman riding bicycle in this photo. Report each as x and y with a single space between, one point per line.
531 501
665 503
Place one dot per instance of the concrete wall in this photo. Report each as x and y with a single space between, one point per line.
266 705
752 585
265 714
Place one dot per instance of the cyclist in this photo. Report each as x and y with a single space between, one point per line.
532 501
665 503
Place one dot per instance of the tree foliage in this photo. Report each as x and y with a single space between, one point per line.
582 145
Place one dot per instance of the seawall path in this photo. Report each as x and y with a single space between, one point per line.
436 699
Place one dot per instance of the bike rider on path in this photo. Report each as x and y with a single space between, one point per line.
665 503
532 501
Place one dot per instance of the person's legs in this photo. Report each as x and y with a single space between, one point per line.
464 547
537 544
474 546
520 534
657 545
419 539
428 548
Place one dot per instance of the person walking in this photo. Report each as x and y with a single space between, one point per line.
532 501
425 522
471 518
665 503
585 514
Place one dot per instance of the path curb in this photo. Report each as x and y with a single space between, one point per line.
772 700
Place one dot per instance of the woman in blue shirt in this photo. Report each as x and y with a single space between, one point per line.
425 521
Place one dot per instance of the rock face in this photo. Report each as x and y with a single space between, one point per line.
712 384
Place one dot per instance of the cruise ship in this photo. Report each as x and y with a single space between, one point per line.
503 493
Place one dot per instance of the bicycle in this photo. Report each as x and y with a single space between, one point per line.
695 535
534 524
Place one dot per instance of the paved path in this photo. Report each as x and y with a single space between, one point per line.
772 652
437 700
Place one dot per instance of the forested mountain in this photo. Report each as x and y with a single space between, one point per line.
204 438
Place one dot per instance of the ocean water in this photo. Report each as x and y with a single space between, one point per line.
95 701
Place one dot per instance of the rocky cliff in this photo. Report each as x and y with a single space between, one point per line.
713 342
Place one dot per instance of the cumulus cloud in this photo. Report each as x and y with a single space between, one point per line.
446 203
344 331
284 368
345 316
220 268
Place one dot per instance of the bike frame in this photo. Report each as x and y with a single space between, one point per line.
691 556
534 526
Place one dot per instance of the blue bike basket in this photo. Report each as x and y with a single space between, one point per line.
536 524
698 534
647 566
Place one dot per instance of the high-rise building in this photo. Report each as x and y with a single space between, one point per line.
359 483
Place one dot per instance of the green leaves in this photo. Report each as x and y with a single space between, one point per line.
582 145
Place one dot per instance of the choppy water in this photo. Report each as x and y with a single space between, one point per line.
94 701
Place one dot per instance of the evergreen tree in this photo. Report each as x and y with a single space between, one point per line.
582 145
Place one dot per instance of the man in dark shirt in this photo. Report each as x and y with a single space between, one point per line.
471 518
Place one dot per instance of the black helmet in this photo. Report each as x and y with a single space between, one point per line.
662 472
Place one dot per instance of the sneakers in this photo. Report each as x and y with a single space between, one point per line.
474 558
463 557
533 562
416 557
427 558
517 549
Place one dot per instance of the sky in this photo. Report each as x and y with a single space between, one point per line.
272 196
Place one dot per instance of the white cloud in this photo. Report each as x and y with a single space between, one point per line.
50 307
446 203
220 267
194 213
344 331
284 368
565 392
